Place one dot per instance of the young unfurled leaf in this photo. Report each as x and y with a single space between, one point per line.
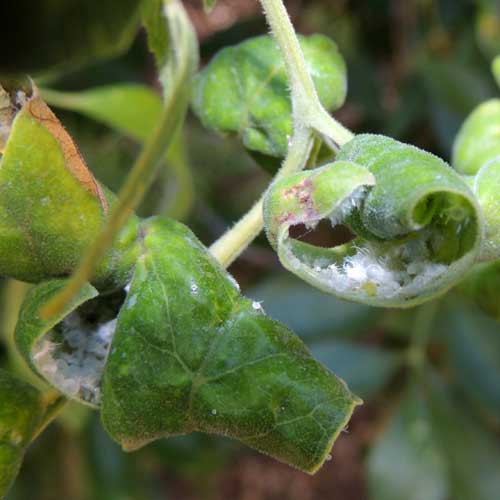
418 225
477 141
51 206
21 412
244 91
58 35
187 353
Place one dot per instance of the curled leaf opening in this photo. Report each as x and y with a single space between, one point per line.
417 223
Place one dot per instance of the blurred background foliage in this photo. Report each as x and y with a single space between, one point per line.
430 377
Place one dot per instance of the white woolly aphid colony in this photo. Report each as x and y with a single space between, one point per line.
73 357
372 269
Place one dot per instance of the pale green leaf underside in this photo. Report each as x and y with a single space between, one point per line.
486 188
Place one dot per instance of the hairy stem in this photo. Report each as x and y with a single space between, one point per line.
307 108
229 246
308 115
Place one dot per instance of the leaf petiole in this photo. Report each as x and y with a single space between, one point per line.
230 245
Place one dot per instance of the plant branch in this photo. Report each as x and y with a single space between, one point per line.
308 116
229 246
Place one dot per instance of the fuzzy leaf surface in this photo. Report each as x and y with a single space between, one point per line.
51 206
244 91
190 354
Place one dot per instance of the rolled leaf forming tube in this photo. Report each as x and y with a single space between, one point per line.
418 225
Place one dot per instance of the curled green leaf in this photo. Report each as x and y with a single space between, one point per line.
417 223
21 412
184 352
49 345
477 141
244 91
51 206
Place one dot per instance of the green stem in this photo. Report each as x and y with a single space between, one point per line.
308 115
307 108
179 74
177 204
135 187
230 245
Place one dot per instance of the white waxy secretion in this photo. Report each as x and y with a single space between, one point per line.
75 362
399 270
